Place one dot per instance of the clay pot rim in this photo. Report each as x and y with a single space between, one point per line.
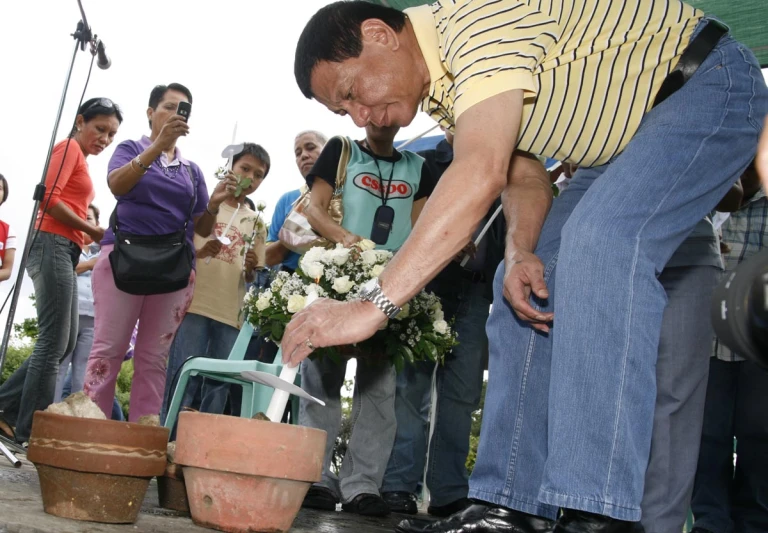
103 422
253 459
97 446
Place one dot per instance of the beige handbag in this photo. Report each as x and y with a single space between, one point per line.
297 234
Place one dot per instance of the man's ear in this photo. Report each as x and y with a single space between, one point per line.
378 31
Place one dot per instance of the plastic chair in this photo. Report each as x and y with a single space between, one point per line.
256 397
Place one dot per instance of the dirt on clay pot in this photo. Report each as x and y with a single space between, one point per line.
94 469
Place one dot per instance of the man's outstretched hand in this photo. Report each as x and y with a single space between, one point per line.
329 323
523 276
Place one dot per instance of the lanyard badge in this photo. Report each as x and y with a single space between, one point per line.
384 217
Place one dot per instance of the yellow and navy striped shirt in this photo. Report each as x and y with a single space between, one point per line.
589 68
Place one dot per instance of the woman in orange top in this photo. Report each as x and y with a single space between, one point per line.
53 256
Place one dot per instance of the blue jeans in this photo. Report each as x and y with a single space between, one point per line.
681 383
459 385
724 500
568 416
200 336
51 265
78 357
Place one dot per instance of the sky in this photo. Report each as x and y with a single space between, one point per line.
235 56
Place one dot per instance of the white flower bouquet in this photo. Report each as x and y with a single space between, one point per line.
419 333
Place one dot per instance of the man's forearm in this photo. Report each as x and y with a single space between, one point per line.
444 228
526 204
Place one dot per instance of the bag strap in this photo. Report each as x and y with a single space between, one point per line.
341 171
193 178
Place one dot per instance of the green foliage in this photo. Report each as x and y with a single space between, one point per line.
123 385
28 328
14 357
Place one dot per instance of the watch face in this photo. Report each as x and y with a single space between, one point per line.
368 287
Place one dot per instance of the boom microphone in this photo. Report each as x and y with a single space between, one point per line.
103 62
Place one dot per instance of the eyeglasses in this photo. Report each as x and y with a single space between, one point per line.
106 103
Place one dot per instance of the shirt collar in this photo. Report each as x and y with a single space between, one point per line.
146 142
425 29
444 152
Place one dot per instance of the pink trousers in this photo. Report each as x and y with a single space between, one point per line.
116 313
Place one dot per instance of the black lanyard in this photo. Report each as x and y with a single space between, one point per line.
384 190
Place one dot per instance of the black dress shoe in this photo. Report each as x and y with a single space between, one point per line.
366 505
573 521
321 498
400 502
480 518
448 509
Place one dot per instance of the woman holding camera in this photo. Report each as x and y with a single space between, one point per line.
159 193
53 256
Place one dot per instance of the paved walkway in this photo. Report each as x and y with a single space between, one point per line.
21 511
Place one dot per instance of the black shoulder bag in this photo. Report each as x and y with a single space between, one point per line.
152 264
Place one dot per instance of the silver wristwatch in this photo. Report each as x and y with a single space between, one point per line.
371 292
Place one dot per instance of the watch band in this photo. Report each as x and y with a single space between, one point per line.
384 304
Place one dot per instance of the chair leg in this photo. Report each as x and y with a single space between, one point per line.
246 405
178 394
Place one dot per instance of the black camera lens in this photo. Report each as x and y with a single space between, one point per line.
740 309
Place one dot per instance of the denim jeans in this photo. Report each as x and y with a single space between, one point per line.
724 500
568 415
373 421
200 336
681 383
51 265
77 357
459 385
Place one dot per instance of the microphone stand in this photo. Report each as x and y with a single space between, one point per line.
82 37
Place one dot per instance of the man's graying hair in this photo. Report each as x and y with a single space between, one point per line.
333 34
321 138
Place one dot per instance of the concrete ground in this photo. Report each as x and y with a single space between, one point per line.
21 511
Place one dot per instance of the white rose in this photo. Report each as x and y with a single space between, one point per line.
295 303
314 270
377 270
369 257
339 256
383 256
313 255
438 314
366 244
311 297
264 300
261 206
440 326
312 287
343 284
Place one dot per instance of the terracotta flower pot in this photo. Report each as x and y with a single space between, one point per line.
96 470
245 475
171 491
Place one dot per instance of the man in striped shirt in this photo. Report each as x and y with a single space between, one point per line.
661 110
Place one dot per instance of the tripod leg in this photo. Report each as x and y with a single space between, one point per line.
9 455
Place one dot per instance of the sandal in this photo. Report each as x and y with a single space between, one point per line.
6 430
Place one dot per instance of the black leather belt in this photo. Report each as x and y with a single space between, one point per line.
474 277
693 56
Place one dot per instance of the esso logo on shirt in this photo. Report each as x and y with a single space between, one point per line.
397 189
